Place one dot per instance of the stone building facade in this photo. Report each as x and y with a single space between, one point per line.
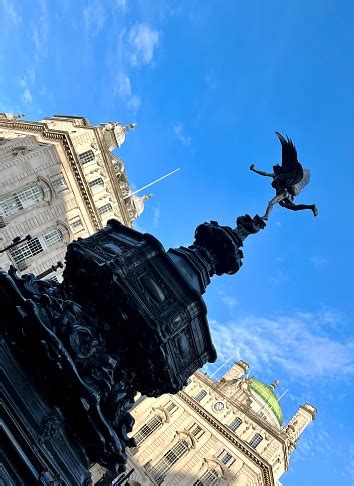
224 432
59 181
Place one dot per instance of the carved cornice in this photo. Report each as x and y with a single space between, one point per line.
113 178
266 468
64 139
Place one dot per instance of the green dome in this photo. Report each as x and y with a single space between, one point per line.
267 394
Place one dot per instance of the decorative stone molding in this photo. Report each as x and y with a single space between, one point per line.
47 188
65 230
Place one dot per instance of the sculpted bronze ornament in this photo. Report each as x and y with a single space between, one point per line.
289 179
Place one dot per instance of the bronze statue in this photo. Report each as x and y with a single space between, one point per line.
289 179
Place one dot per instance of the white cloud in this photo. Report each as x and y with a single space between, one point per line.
122 5
26 96
142 41
40 32
229 301
11 12
318 261
94 17
134 103
124 90
279 277
184 139
124 87
304 345
156 217
350 464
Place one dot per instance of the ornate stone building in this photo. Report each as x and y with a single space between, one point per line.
59 181
225 432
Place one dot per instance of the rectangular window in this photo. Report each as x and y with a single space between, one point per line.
208 478
256 440
87 157
196 431
52 237
107 208
171 407
201 395
96 184
26 250
168 460
235 424
59 183
76 223
225 457
148 429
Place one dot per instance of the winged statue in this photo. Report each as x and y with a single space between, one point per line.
289 179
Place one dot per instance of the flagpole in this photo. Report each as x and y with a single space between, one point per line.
152 183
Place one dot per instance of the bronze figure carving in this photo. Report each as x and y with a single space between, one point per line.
289 179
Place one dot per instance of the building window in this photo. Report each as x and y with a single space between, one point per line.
225 457
170 407
255 441
235 424
201 395
52 237
59 183
87 157
160 469
196 431
208 478
96 184
107 208
148 429
21 200
28 249
76 223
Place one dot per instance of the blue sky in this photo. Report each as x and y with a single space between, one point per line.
208 83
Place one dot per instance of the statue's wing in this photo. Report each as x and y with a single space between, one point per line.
289 153
297 188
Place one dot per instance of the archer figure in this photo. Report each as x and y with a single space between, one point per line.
289 179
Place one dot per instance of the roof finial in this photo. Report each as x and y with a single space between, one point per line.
126 128
275 384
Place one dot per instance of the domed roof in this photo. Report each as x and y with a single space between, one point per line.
266 393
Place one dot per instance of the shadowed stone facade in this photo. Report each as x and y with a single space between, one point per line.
59 181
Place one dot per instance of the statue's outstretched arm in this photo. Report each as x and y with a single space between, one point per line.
261 172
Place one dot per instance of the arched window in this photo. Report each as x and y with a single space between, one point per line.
147 429
28 249
201 395
256 440
170 458
21 200
87 157
208 478
235 424
96 184
107 208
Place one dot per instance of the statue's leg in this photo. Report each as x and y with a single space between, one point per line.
299 207
277 199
